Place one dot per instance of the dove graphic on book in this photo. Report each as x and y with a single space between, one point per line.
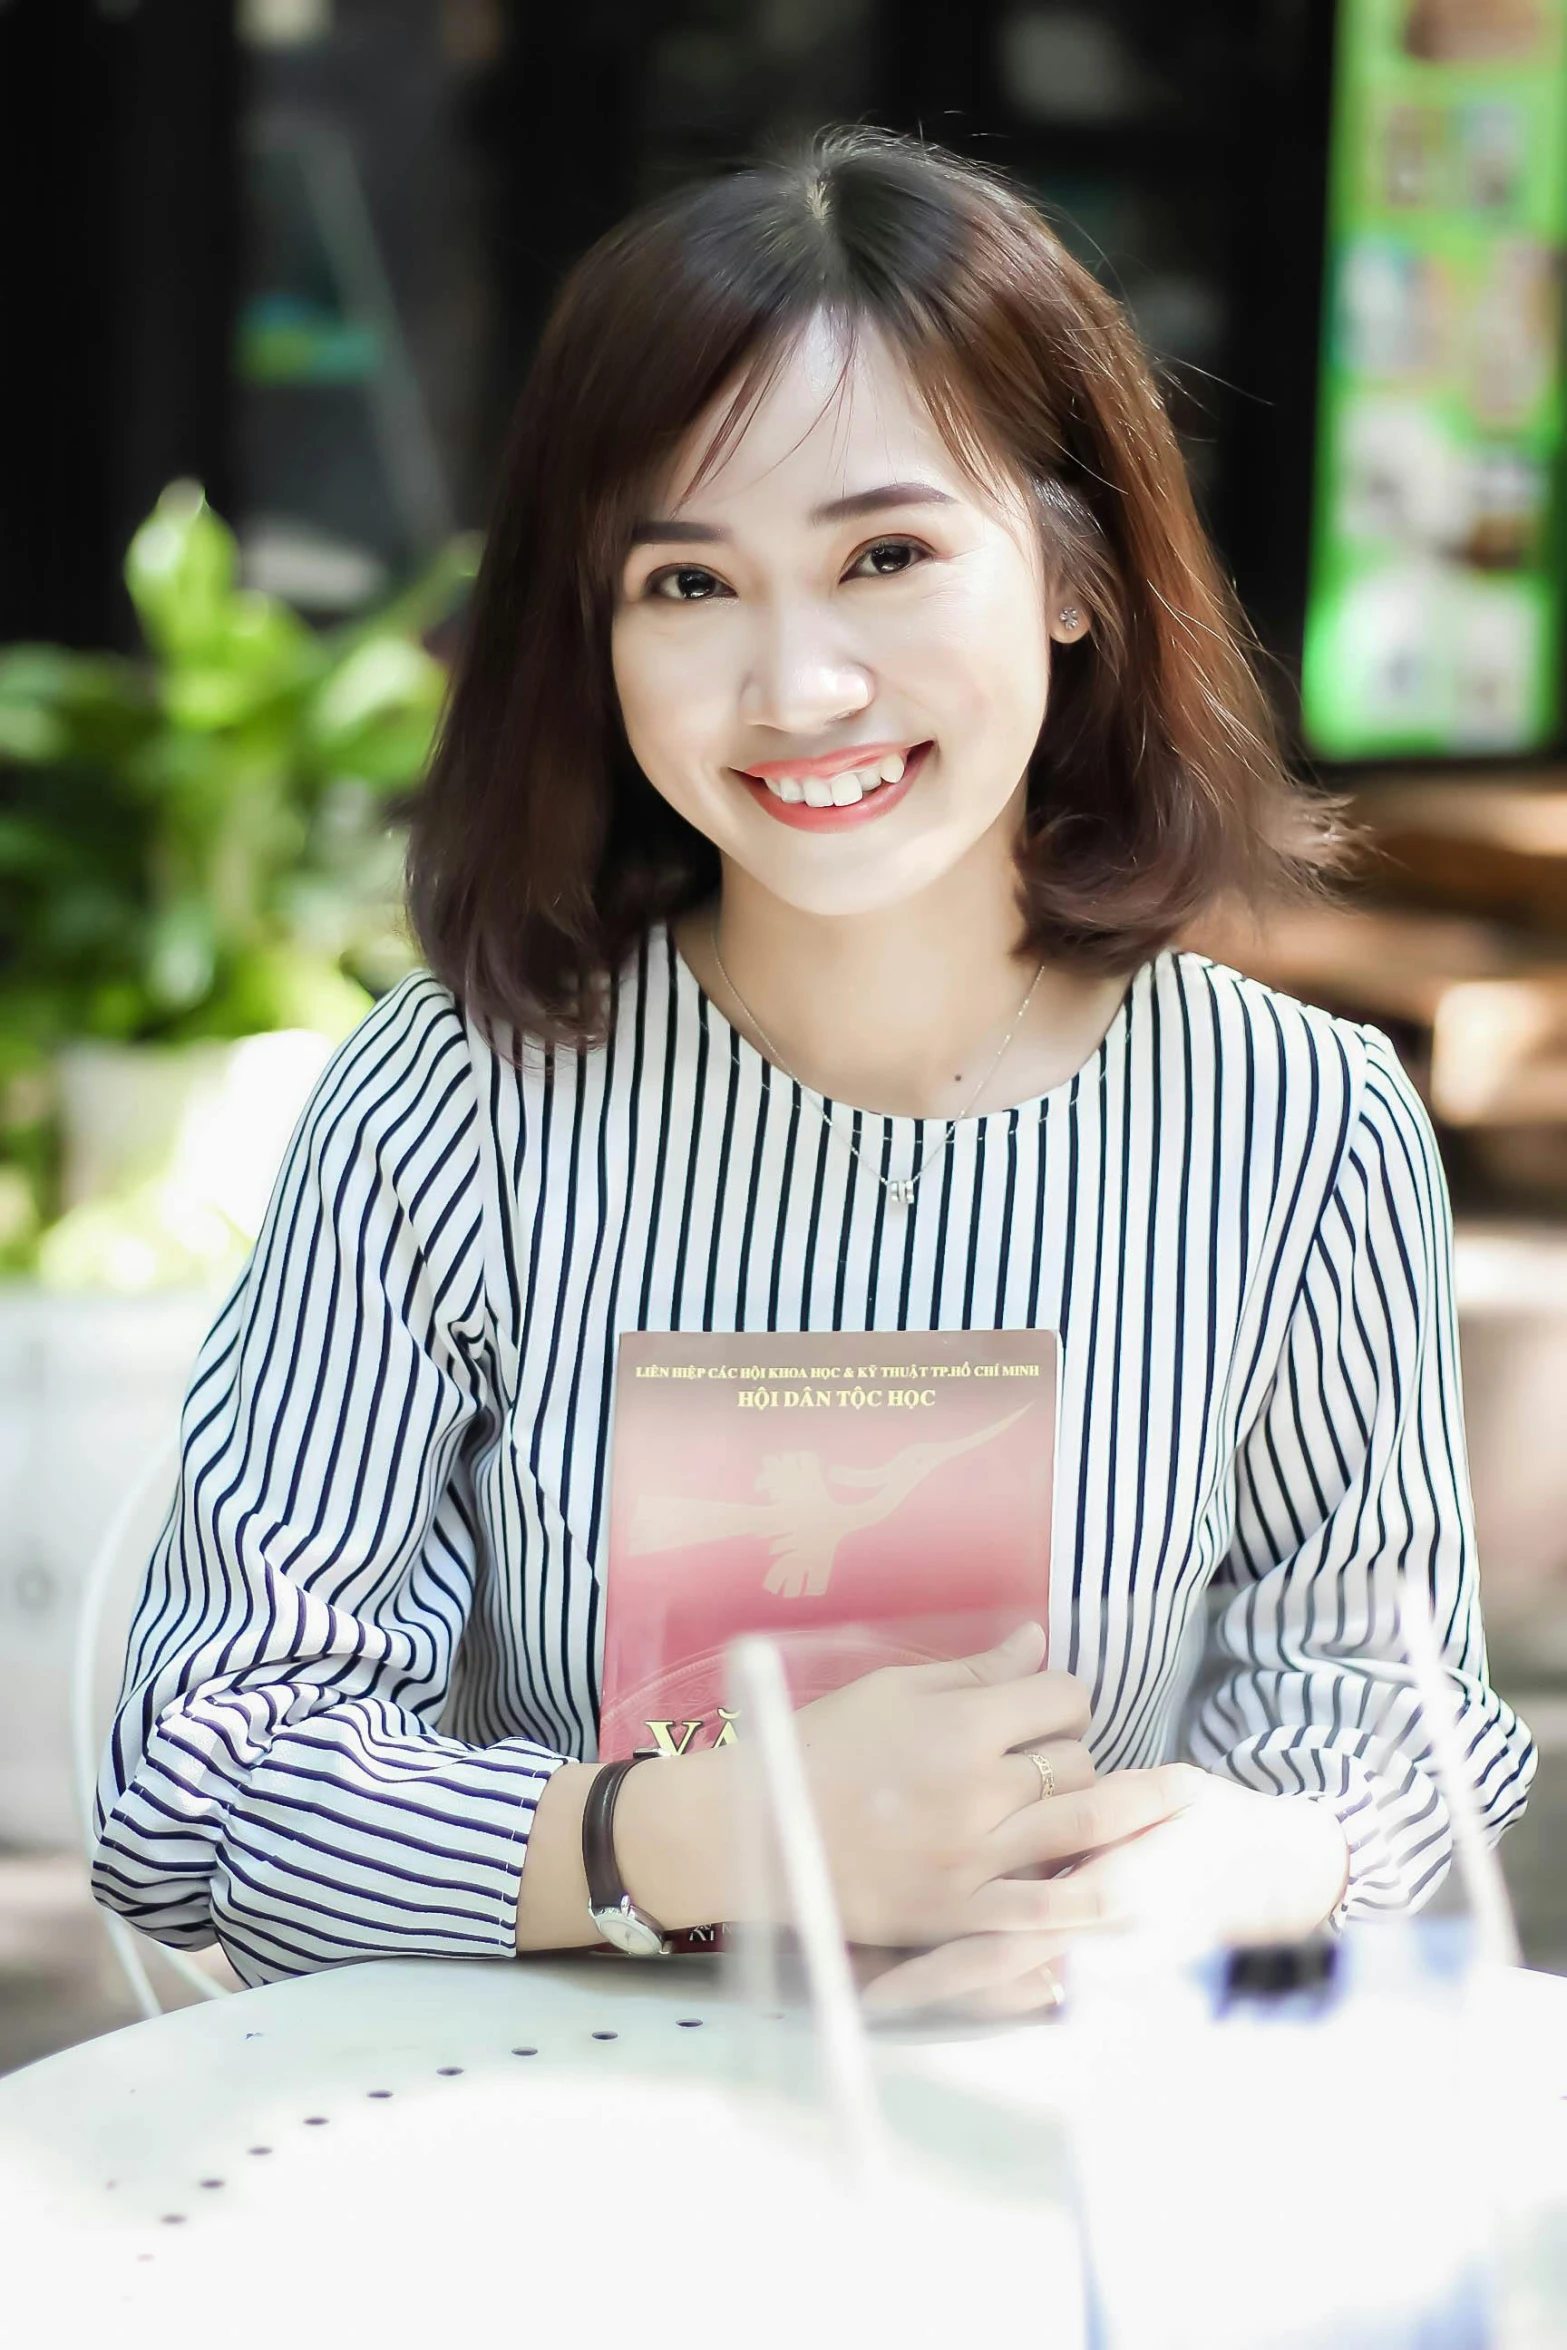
800 1517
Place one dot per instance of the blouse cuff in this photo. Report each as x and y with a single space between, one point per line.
347 1847
1393 1823
1391 1866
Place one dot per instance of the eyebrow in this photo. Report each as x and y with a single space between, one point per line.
664 530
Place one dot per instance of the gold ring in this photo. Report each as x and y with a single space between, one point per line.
1046 1770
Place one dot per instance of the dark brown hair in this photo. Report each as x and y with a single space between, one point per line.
540 852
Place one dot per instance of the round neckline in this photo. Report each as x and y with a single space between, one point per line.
1070 1088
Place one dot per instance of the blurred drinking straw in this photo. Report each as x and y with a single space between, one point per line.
1481 1870
763 1695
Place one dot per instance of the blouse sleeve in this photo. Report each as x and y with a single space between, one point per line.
1354 1475
275 1777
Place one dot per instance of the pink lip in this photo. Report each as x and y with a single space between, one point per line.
830 763
806 819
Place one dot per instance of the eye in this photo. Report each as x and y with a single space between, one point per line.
691 585
910 548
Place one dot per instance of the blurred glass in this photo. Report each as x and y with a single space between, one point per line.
1331 2143
953 2212
1284 2149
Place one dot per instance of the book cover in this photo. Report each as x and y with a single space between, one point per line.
866 1498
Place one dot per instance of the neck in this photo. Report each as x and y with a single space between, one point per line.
900 1009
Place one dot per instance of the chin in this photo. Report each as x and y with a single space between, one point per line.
872 889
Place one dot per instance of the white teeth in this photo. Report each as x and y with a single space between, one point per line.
837 791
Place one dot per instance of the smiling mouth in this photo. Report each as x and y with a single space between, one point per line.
833 803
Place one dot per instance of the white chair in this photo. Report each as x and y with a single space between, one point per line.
102 1625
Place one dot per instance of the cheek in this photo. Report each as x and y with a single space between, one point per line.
671 700
977 648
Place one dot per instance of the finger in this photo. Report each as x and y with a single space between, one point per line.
1071 1770
1080 1901
1088 1817
1042 1988
1012 1908
973 1963
1022 1712
1022 1652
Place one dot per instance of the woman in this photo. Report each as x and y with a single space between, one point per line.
852 716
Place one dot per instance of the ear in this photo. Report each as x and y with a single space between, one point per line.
1068 622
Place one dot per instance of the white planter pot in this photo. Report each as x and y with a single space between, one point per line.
125 1109
212 1118
170 1153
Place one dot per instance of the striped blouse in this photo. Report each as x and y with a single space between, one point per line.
373 1624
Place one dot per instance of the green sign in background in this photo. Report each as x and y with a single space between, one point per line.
1434 607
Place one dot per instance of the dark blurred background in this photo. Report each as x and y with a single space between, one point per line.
300 250
297 252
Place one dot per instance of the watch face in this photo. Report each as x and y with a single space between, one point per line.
636 1936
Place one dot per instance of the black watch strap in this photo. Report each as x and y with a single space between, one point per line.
605 1890
614 1912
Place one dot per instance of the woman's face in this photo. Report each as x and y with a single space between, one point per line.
836 595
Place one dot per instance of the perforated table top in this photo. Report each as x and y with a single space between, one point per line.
555 2149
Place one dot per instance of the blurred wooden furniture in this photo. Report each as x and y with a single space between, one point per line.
1473 841
1455 933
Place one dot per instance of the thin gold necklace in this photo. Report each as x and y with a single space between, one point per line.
899 1189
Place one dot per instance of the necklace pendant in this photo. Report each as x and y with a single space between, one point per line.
901 1193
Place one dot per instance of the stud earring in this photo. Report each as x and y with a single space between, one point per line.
1070 617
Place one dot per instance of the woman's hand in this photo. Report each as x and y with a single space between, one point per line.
929 1813
925 1805
1231 1867
1223 1865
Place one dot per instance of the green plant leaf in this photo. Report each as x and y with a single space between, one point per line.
38 673
151 1238
180 571
385 676
183 954
41 689
20 1219
29 847
32 1021
117 1009
374 716
426 601
32 733
281 987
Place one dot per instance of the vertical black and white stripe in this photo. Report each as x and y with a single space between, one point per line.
373 1625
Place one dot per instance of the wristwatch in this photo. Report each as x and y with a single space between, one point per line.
610 1906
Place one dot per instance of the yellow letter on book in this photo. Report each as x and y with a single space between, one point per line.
663 1736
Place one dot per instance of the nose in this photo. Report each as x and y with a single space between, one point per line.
801 676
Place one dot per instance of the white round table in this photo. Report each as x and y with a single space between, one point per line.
550 2148
555 2148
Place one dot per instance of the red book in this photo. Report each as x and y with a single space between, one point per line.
868 1499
